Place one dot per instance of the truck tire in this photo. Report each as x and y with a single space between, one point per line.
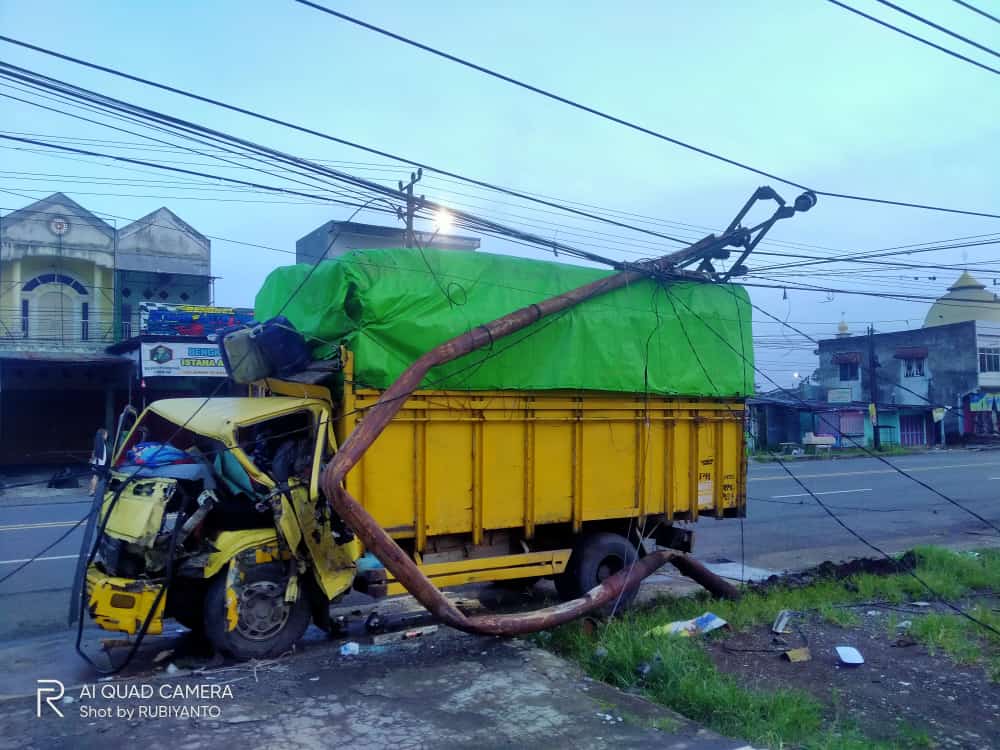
596 557
267 626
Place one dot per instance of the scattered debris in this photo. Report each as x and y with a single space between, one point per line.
172 668
904 625
920 604
314 679
350 649
688 628
849 656
375 623
798 654
600 652
610 718
404 635
163 655
781 622
644 669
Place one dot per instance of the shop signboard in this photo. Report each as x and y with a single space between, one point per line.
181 359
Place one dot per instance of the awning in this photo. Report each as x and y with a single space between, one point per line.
65 358
843 358
911 352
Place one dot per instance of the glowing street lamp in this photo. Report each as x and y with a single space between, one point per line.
443 221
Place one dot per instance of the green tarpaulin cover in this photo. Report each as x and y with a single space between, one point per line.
391 306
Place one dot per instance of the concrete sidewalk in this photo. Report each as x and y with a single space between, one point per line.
445 690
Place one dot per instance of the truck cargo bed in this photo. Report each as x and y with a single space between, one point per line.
461 462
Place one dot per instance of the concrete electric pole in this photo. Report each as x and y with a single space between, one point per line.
412 206
873 389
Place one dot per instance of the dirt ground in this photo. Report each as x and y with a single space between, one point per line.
899 686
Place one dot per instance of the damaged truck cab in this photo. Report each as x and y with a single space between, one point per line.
228 517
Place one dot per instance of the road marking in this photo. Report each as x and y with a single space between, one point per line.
43 525
39 559
830 492
860 473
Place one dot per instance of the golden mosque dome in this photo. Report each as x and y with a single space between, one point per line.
966 299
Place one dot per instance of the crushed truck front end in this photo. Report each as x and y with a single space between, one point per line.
210 516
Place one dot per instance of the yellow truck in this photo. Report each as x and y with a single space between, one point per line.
469 417
483 486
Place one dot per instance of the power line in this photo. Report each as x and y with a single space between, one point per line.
627 123
368 186
954 607
32 559
892 251
914 37
940 28
974 9
327 136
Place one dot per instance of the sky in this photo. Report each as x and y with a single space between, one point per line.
803 90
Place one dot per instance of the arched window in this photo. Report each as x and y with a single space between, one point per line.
54 307
54 278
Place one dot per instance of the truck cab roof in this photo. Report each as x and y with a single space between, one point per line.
218 418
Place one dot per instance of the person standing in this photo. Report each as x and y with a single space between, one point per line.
99 458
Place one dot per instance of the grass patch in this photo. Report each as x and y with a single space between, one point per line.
679 673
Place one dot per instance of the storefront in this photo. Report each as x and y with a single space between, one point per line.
982 414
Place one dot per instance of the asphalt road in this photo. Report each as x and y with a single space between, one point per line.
785 529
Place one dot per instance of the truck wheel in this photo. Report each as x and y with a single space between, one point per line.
266 625
596 557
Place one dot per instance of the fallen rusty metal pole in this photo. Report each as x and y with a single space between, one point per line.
402 566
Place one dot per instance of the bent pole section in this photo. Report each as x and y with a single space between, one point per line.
402 566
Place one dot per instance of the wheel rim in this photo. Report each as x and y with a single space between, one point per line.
608 567
263 610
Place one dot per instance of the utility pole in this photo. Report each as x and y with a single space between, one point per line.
412 206
873 388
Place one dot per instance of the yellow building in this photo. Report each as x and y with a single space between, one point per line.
70 286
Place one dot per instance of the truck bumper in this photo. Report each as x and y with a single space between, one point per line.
122 604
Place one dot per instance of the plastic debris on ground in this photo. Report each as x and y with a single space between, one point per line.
350 649
688 628
163 655
849 656
780 624
404 635
798 654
